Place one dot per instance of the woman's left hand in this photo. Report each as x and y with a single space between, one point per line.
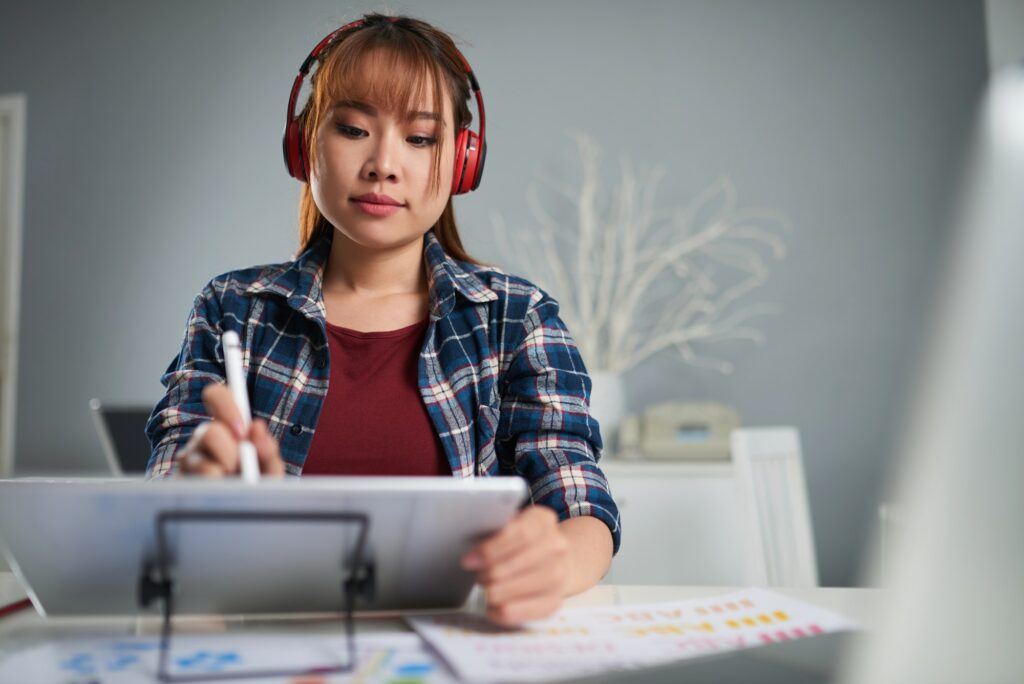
524 568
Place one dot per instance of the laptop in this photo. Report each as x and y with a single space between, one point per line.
121 430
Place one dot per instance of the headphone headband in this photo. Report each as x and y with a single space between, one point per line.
470 148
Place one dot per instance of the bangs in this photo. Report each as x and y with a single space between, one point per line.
387 79
388 72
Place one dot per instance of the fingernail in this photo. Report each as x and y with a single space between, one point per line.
472 561
239 428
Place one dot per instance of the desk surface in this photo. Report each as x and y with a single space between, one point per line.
26 629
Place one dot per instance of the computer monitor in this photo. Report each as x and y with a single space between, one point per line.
955 600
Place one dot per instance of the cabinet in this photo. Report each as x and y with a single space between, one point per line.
680 523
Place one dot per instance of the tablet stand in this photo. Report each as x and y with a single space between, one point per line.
156 583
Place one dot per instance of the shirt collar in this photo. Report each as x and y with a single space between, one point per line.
300 281
447 277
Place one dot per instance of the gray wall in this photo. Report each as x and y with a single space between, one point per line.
1004 20
154 163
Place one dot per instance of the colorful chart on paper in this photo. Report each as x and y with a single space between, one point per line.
586 640
391 658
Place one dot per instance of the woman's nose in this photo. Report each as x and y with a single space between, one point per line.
383 161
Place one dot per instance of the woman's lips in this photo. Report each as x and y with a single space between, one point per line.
374 209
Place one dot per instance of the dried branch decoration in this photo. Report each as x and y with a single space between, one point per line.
632 280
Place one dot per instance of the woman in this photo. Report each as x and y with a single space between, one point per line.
384 348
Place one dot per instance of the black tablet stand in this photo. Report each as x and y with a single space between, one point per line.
156 583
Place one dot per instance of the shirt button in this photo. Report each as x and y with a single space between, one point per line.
296 429
321 361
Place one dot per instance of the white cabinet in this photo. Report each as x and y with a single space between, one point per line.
680 523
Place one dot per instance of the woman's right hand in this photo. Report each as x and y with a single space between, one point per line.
212 451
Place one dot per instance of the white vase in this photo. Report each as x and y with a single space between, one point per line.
608 405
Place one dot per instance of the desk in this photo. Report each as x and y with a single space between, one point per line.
26 629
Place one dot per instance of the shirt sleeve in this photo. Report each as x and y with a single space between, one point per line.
181 409
546 424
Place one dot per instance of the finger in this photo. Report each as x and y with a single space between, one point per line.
219 444
195 464
188 459
533 608
496 548
220 404
188 462
536 581
535 522
267 448
194 438
532 556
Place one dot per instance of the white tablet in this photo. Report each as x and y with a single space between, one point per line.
82 546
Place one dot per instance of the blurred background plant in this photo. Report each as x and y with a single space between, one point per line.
634 280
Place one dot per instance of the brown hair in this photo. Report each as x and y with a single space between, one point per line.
422 54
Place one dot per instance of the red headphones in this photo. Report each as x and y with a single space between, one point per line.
470 148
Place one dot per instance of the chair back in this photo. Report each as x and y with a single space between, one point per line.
775 518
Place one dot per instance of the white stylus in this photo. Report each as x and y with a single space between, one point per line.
236 383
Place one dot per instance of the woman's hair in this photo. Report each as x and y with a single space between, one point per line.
421 55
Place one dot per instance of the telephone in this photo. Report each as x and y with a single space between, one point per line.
690 431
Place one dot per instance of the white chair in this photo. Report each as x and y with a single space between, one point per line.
775 519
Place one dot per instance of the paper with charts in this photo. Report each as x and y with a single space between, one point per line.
381 657
586 640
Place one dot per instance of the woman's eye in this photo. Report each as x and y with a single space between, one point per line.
350 130
415 140
422 141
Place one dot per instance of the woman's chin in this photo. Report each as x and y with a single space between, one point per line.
378 235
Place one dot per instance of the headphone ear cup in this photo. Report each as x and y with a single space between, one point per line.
480 156
460 161
294 153
470 172
300 138
469 156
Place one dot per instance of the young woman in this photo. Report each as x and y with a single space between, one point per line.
383 348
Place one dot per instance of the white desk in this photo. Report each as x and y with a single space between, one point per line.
25 629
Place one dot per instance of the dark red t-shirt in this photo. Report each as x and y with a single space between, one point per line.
373 421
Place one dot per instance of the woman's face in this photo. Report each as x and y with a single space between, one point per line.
371 179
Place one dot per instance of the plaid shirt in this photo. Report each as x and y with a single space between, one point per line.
499 373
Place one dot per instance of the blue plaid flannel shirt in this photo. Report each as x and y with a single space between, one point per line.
499 373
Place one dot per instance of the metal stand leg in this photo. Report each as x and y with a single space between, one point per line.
156 584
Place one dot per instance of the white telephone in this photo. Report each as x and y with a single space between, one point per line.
691 431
